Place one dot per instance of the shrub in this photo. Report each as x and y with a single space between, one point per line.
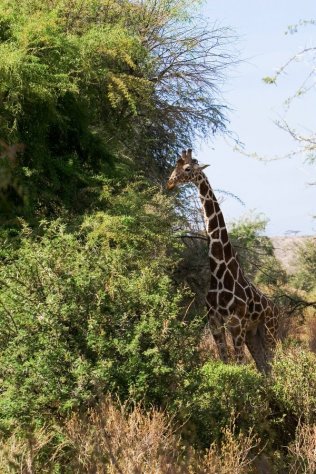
235 455
120 438
218 392
294 383
82 312
303 450
256 252
127 441
305 278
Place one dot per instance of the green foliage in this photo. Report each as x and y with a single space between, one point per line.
294 383
85 85
12 192
83 313
217 394
255 251
305 276
58 83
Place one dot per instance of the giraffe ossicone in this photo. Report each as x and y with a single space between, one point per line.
233 302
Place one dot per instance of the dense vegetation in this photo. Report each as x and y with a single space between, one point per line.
105 363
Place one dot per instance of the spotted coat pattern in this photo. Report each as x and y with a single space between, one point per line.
233 302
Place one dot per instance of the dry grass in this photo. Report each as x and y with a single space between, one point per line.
236 454
289 327
303 450
299 327
310 325
115 439
22 455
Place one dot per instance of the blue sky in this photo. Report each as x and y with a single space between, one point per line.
278 189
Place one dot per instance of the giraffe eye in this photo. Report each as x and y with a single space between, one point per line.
187 168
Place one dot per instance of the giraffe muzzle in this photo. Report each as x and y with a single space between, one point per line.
170 185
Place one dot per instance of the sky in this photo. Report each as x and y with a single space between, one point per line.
277 189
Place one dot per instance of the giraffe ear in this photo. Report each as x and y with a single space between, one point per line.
202 166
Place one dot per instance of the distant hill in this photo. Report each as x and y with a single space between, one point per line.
286 247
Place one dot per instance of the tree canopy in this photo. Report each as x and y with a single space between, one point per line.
92 86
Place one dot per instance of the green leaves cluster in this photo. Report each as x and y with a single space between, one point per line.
60 80
87 85
294 383
255 251
218 395
94 310
305 277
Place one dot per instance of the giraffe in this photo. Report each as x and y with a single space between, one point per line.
232 301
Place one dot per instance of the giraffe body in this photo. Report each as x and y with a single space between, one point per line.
233 302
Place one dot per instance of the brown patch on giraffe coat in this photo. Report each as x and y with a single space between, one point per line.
228 280
211 298
213 283
248 291
234 321
213 265
224 236
251 307
224 311
238 340
270 321
209 208
203 188
217 250
221 270
242 281
235 330
239 291
213 223
221 221
233 267
216 205
224 298
264 303
216 234
228 252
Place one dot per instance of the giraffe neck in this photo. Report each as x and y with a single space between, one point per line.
220 248
213 216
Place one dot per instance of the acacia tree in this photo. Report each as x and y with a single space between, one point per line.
186 65
87 84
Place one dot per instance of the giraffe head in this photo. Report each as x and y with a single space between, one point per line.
186 170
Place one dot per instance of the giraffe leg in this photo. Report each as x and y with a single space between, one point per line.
218 332
271 334
271 340
239 346
255 345
237 329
